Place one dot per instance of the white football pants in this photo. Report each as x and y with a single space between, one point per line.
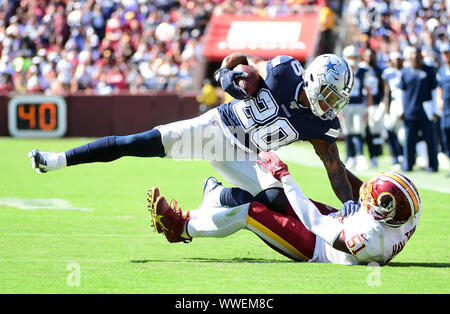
354 119
217 222
376 118
203 138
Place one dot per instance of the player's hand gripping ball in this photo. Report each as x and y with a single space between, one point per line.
249 83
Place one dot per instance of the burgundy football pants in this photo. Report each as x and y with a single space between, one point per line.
284 233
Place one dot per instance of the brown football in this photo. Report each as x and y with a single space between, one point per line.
250 83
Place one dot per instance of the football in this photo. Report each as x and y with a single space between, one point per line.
250 83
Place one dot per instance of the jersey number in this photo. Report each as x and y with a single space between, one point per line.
355 243
254 115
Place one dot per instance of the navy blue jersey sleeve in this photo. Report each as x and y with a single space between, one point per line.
332 131
433 77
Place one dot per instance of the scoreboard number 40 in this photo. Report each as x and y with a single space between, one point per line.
37 116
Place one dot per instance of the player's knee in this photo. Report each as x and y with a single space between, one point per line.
273 198
234 197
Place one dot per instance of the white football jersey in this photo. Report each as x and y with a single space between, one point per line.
393 76
367 239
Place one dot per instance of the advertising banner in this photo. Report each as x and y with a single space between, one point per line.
266 37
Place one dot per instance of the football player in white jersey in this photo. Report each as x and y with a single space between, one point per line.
307 230
394 107
354 116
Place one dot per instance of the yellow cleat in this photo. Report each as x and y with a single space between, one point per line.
153 195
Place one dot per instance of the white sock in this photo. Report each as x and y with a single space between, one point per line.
58 160
54 161
62 160
213 199
217 222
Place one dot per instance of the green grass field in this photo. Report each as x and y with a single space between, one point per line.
86 229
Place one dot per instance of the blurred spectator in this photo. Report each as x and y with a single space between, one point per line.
100 46
6 83
394 108
354 115
443 98
327 23
208 98
144 44
417 82
375 112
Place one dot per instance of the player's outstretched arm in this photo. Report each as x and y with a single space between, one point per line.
325 227
338 175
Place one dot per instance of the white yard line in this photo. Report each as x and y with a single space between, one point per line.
77 235
40 204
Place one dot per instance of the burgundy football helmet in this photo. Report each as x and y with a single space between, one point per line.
390 198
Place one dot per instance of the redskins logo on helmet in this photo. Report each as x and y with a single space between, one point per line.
390 198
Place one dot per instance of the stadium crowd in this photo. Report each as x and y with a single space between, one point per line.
60 46
100 46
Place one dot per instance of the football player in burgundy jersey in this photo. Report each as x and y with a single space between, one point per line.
290 105
304 230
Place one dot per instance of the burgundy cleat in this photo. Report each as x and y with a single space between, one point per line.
171 221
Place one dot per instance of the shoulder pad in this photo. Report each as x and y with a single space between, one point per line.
279 60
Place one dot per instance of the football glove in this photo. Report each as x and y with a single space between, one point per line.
225 77
349 208
273 164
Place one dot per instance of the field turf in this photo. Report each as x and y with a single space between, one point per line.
86 229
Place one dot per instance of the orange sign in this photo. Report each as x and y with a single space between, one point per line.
37 116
